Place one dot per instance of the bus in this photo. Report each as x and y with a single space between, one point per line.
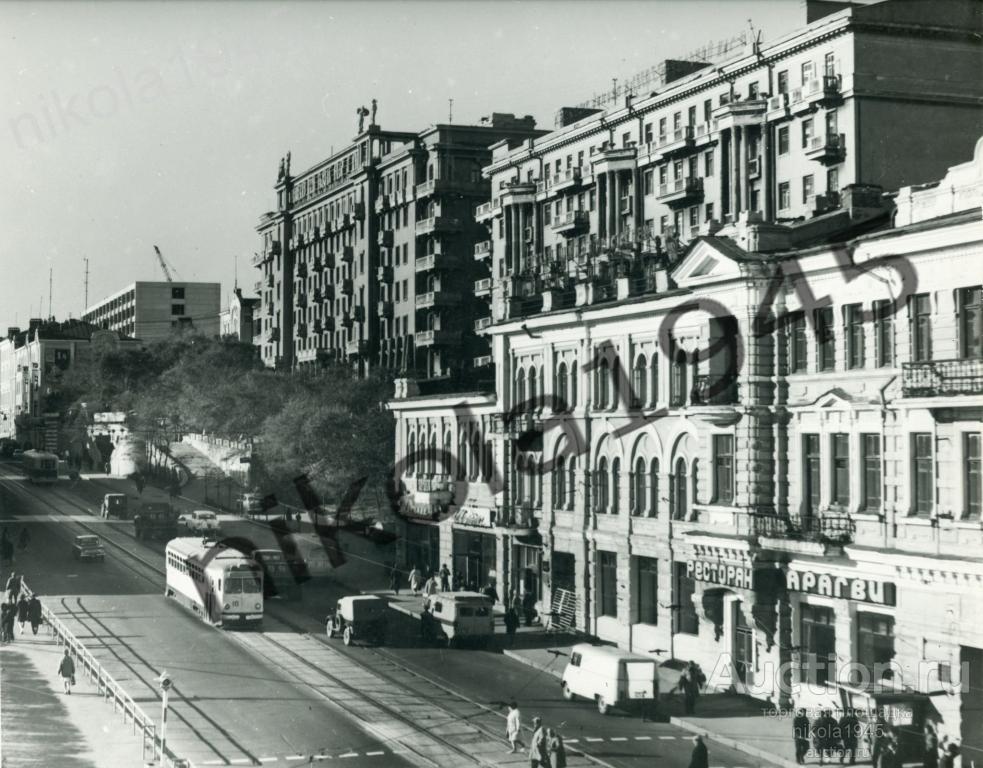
218 584
40 467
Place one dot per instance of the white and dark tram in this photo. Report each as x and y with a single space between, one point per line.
219 584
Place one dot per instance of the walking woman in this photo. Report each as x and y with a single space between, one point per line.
22 606
67 671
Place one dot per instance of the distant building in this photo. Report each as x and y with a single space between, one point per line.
239 319
30 362
150 311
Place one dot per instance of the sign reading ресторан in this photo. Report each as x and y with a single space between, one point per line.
843 587
720 573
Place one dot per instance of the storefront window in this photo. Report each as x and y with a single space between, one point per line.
647 590
422 547
607 588
818 644
474 558
687 620
875 644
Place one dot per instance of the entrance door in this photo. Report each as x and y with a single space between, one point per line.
743 645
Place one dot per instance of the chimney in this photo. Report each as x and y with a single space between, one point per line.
12 331
33 324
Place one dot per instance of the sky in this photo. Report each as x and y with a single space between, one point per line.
125 125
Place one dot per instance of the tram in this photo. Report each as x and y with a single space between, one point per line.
218 584
40 467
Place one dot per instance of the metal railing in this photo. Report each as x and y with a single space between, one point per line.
942 378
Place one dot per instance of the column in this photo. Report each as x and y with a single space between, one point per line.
638 204
612 205
523 246
506 239
735 185
516 237
745 181
766 185
617 203
602 208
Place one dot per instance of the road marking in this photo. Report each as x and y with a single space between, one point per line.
348 754
643 738
593 738
618 738
373 754
571 741
240 761
294 757
667 738
268 759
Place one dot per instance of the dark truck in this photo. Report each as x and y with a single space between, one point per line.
156 520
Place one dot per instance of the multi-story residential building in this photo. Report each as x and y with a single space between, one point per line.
240 319
31 362
368 257
767 462
150 311
779 130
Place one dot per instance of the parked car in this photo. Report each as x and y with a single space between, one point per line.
453 617
88 548
358 617
115 505
200 521
611 677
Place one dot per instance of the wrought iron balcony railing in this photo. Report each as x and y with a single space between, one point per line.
942 378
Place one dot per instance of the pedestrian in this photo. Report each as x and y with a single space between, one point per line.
490 592
445 578
513 728
888 754
529 607
800 732
688 687
22 611
10 619
67 671
511 624
415 580
950 751
699 758
394 579
558 752
430 588
930 756
539 753
850 727
24 540
515 601
824 738
4 608
34 613
696 675
13 586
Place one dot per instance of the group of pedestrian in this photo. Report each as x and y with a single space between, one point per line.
17 607
546 749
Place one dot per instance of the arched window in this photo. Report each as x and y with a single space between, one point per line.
446 465
679 491
560 482
536 481
602 485
638 487
616 382
571 482
615 486
474 456
462 454
573 384
654 380
677 382
639 383
561 403
411 457
432 458
603 383
654 488
532 395
520 387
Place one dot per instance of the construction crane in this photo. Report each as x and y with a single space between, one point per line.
163 265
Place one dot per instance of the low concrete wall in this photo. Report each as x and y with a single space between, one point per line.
224 453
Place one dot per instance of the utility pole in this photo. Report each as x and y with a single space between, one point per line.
50 279
450 110
86 305
235 270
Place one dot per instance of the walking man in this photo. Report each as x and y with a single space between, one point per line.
513 727
511 624
445 578
4 609
67 671
8 625
850 736
394 579
415 580
13 587
800 732
34 613
539 754
699 758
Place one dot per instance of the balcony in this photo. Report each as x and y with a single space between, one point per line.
342 222
327 324
677 142
327 293
383 203
348 287
348 254
329 261
301 300
684 191
519 193
568 179
385 238
384 274
302 270
942 378
737 113
519 518
482 361
828 150
777 109
356 347
711 391
449 186
259 258
488 210
437 338
825 91
437 224
258 286
483 287
432 262
516 425
385 308
620 159
481 324
571 223
482 250
437 298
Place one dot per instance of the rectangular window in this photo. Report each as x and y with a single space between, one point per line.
875 643
922 474
884 332
648 134
825 340
607 575
694 216
808 188
811 473
829 64
783 144
920 320
177 293
871 446
663 224
818 644
807 70
854 321
973 486
723 468
687 620
691 116
709 212
783 81
798 353
647 590
707 110
753 90
708 163
807 132
662 128
971 322
649 179
177 309
833 180
784 196
840 445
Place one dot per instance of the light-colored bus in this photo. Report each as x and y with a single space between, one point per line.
219 584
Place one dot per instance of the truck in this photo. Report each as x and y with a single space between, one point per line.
155 520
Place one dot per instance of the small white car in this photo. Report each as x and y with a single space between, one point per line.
199 521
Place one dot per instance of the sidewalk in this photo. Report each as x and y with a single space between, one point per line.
41 726
739 722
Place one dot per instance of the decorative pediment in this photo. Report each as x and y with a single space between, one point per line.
708 260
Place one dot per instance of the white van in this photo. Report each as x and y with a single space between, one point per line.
457 616
611 677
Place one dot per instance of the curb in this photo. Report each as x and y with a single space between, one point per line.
529 662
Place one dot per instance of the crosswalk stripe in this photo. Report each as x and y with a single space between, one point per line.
593 738
373 754
571 741
268 759
667 738
643 738
619 738
294 757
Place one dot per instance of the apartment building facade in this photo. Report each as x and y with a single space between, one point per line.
151 311
368 257
769 462
850 99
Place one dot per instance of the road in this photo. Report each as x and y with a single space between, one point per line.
458 694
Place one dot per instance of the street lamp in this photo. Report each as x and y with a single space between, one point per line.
165 685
